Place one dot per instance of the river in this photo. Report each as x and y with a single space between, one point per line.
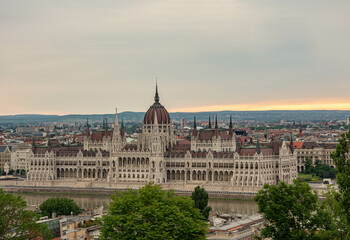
244 207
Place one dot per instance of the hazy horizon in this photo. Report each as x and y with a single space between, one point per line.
87 57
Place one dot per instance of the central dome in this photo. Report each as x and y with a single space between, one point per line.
162 114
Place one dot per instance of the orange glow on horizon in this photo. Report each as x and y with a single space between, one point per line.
321 105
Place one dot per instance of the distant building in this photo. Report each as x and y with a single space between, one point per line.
5 156
314 151
20 157
79 227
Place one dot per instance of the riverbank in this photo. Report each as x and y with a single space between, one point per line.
109 191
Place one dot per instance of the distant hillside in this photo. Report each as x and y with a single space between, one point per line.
309 115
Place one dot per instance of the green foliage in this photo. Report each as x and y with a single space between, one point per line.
60 206
308 165
152 213
319 169
18 223
293 212
200 198
23 172
341 160
334 207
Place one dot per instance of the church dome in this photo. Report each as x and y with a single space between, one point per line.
162 114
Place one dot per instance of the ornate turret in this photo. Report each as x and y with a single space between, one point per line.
195 132
209 124
216 131
105 125
291 145
116 123
230 130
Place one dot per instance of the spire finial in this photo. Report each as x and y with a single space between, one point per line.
194 132
156 97
230 122
209 124
216 121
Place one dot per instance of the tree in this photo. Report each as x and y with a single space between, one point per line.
18 223
293 212
308 165
200 198
23 172
152 213
60 206
341 160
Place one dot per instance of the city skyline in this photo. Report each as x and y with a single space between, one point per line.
85 57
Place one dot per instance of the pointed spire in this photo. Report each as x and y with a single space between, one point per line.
194 127
291 145
216 121
265 134
156 97
209 126
258 150
230 130
105 125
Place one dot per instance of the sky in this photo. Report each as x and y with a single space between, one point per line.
83 56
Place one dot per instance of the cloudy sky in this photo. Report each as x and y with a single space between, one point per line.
82 56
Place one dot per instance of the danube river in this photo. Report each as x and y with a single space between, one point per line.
245 207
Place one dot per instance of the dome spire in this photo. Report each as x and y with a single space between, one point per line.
156 97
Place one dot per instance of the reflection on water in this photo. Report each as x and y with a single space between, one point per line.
246 207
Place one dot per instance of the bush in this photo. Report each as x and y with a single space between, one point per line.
60 206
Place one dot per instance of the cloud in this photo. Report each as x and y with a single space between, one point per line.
87 56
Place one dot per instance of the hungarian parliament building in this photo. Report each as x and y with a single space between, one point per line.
214 159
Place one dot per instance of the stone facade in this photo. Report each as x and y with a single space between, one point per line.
212 159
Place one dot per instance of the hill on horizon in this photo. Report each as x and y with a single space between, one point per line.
269 116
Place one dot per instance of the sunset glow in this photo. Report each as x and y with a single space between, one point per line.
266 106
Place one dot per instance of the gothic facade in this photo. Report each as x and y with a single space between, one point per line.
213 158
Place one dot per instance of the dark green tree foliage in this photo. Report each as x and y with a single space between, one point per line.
200 198
341 160
293 212
60 206
152 213
319 169
308 165
17 223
